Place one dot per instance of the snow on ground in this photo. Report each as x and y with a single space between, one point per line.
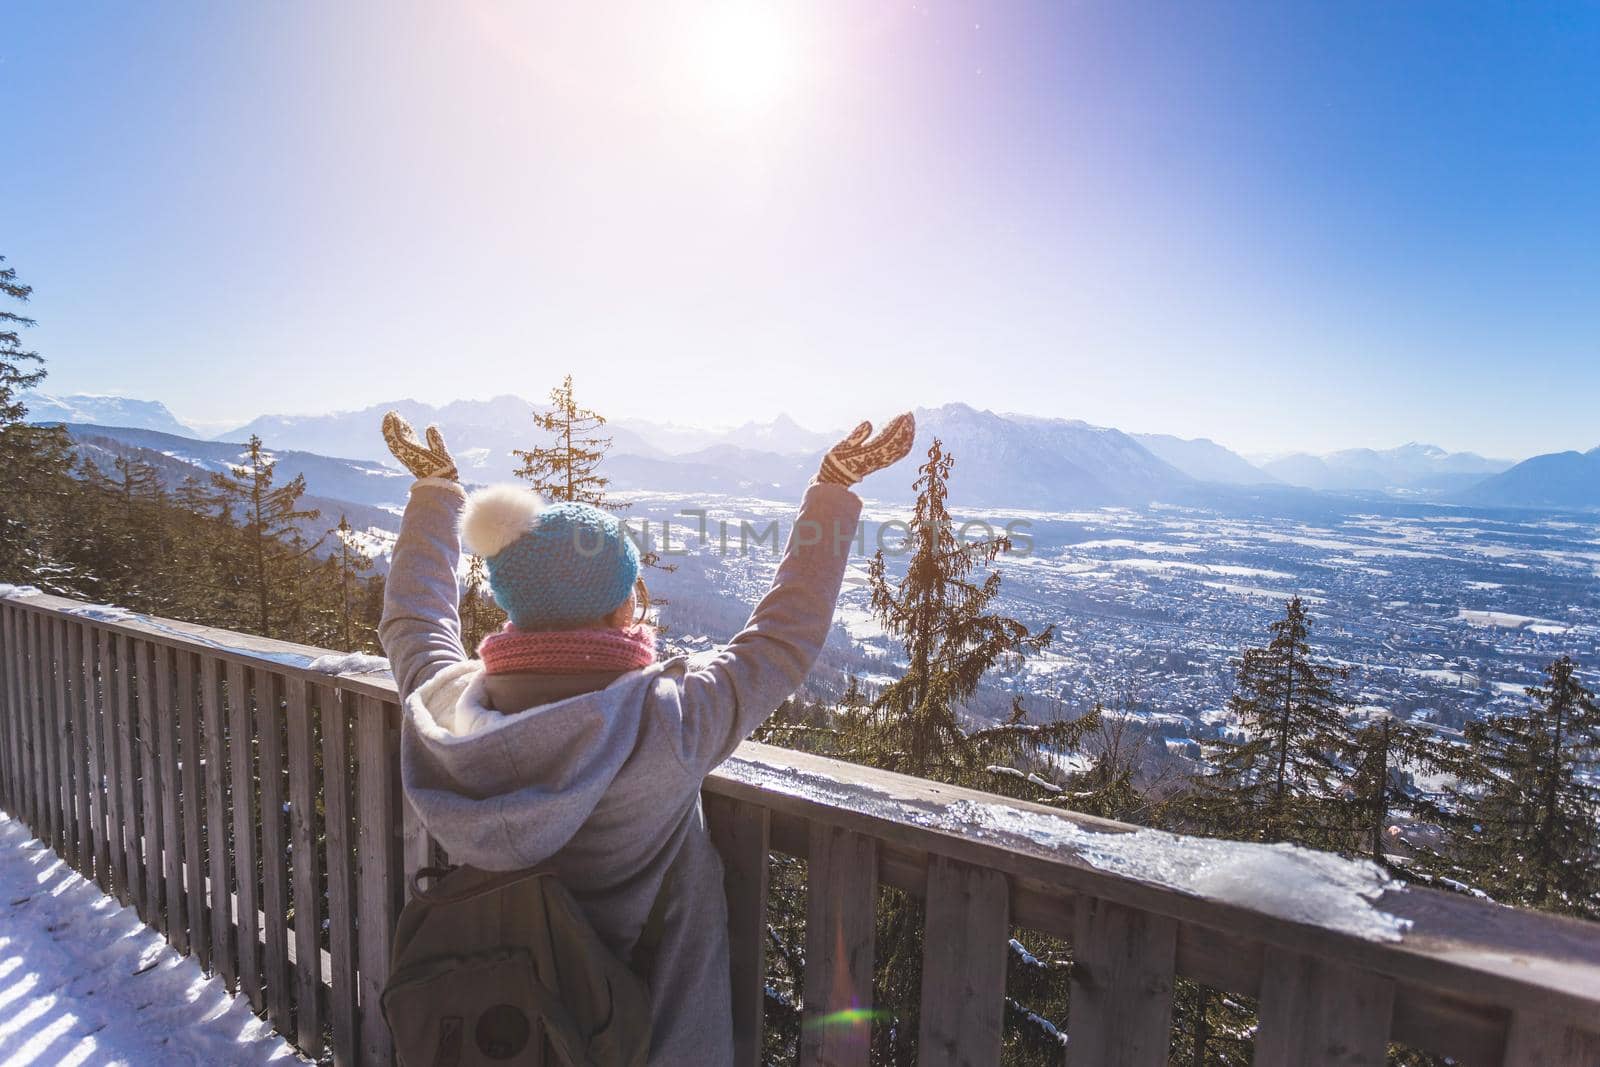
83 981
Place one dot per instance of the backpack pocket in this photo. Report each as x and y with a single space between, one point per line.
479 1010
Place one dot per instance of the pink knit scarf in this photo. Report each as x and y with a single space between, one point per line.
568 651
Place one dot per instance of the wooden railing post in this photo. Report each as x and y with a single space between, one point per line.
8 712
65 740
963 965
335 713
1317 1011
274 852
172 851
128 768
224 950
307 865
741 833
1120 1010
152 821
196 912
82 706
94 702
378 831
241 746
841 891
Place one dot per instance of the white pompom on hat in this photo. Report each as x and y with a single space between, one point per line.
497 516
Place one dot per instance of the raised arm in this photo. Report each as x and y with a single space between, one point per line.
728 695
421 629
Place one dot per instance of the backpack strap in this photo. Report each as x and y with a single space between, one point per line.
655 924
468 890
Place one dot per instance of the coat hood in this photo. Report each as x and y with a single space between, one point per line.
506 791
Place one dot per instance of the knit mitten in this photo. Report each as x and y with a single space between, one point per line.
857 456
434 461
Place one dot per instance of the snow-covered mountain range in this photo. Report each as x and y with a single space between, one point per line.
104 411
1410 468
1003 460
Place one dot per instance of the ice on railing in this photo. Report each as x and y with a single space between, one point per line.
349 663
104 613
1284 881
7 590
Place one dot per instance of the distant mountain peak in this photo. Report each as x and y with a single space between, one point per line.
104 409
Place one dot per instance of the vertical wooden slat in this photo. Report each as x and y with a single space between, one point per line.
8 714
274 865
16 693
331 712
378 838
193 761
38 790
150 796
39 679
307 869
8 706
224 952
172 850
963 965
65 742
1321 1012
93 703
741 833
840 892
128 767
82 698
241 745
111 753
1120 1002
17 776
1535 1040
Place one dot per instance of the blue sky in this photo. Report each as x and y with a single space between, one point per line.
1278 225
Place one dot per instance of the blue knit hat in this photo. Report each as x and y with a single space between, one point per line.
550 565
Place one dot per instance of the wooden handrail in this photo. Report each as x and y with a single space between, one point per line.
175 764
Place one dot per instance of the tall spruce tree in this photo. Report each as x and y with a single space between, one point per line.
569 468
943 615
1386 751
270 548
1285 780
353 565
1528 821
480 615
34 460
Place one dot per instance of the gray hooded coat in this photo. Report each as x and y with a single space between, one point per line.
598 777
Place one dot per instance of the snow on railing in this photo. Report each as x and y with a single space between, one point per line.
244 795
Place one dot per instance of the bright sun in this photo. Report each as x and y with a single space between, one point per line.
745 55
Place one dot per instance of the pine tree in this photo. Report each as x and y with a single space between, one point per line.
1283 781
34 460
271 546
943 617
353 564
1385 749
568 470
480 615
1528 825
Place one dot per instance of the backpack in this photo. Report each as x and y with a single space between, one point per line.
483 961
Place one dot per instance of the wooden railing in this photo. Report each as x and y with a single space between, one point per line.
249 807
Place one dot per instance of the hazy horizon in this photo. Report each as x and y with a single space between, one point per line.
1294 228
212 429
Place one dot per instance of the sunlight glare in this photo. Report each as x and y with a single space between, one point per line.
745 56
